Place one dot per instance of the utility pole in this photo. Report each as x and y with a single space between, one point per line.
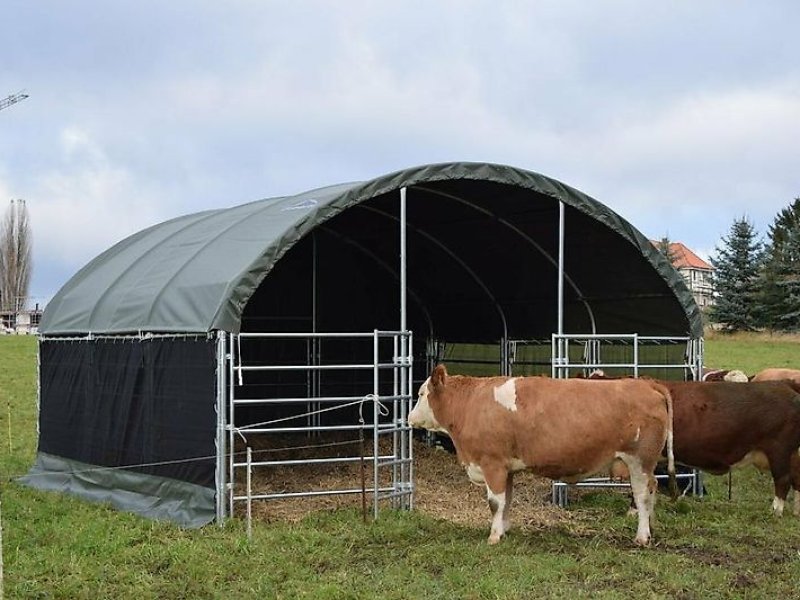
12 99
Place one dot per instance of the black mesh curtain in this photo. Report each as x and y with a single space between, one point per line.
119 402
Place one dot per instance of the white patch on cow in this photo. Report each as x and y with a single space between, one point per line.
475 474
497 502
642 496
422 414
506 395
515 465
638 434
736 375
777 506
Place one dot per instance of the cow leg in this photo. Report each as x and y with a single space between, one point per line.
795 468
782 486
507 508
496 484
642 483
782 477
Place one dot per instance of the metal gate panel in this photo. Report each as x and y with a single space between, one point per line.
383 379
590 347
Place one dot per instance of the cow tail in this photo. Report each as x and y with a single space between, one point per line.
673 480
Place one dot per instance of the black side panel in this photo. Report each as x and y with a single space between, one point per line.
131 402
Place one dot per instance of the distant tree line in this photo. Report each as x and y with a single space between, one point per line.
757 283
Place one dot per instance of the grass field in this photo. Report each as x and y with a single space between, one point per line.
59 547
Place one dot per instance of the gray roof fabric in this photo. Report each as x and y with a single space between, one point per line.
196 273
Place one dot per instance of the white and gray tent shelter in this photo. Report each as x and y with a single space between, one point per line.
141 352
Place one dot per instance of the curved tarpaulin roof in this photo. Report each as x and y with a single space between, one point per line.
482 248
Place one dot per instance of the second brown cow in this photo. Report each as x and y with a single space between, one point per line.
722 425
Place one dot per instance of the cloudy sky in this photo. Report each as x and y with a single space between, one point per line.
681 116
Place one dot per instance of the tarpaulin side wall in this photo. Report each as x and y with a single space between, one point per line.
130 421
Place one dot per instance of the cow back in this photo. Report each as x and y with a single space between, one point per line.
558 428
716 424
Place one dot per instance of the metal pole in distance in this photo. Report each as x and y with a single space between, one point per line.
397 421
316 343
231 422
403 262
405 345
408 436
249 493
561 229
562 372
221 478
375 453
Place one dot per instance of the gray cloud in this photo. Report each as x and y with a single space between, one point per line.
681 116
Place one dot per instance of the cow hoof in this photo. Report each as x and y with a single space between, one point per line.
493 539
642 541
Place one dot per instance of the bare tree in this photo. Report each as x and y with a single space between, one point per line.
15 257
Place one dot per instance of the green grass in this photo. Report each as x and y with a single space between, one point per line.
57 547
751 352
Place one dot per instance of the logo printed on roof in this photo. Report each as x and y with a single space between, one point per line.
301 204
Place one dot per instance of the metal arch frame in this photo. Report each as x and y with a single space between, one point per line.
386 267
452 255
553 261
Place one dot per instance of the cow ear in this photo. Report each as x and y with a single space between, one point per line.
438 376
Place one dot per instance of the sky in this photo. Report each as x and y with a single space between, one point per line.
681 116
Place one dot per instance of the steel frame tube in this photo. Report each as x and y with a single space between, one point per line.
221 475
561 229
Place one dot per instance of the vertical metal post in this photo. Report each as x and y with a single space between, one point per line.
231 422
375 416
408 436
249 493
314 419
403 260
405 342
700 351
558 369
397 374
636 355
221 475
561 228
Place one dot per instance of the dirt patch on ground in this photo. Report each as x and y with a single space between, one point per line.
442 488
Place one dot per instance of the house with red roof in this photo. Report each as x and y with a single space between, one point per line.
696 272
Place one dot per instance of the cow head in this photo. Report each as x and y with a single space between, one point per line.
422 415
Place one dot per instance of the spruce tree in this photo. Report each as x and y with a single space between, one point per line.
664 246
780 278
737 263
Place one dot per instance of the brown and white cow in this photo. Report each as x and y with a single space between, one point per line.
724 375
776 374
721 425
561 429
